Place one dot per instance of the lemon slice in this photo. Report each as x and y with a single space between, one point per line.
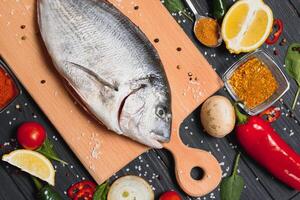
33 163
247 25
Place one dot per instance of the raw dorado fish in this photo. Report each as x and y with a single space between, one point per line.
110 65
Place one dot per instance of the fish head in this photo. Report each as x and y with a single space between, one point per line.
146 116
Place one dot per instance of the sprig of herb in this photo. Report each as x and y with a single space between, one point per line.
232 186
292 63
101 192
47 149
177 6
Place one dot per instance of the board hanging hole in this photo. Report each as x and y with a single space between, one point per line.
23 37
23 26
43 81
178 67
156 40
197 173
136 7
179 49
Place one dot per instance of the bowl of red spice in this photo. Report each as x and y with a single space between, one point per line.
9 88
255 82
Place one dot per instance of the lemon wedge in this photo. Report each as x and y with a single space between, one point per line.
33 163
246 25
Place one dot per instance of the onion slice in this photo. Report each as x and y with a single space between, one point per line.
130 188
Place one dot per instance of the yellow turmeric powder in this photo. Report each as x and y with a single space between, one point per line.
207 31
253 82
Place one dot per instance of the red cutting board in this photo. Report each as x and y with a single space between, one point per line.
103 153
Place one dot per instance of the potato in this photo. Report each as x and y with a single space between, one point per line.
218 116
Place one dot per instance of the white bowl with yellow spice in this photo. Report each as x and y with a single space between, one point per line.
255 82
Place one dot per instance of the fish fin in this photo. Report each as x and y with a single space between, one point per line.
95 76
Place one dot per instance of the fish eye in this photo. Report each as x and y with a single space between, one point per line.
160 112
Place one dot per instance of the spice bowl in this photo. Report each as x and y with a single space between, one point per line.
12 88
282 82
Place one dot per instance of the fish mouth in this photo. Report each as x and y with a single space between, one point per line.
159 136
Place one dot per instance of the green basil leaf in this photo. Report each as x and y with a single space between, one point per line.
176 6
101 192
47 149
292 62
232 186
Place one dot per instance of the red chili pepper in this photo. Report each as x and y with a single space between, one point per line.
278 25
263 144
77 187
272 113
85 194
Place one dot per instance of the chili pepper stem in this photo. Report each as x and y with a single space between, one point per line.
37 183
241 118
296 98
236 164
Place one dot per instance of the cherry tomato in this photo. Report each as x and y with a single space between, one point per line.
78 187
85 194
170 195
31 135
272 114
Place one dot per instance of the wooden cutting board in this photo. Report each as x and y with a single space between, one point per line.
191 78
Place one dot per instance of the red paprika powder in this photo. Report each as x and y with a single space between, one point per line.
8 89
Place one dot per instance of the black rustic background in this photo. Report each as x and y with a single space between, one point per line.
157 166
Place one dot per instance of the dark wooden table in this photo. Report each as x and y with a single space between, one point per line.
156 166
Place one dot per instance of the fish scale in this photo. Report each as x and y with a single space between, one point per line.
112 67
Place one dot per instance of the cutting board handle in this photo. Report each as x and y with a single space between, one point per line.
188 158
